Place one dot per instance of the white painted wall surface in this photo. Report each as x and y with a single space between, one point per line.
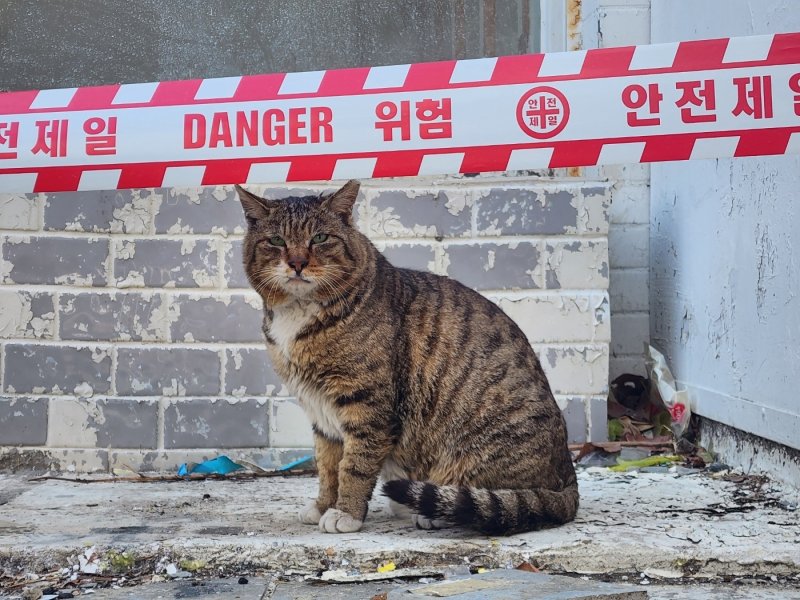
725 254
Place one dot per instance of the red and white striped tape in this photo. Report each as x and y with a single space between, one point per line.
699 99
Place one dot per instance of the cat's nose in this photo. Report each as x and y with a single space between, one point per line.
298 263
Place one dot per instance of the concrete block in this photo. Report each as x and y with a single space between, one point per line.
598 419
520 211
26 314
122 211
630 204
595 207
103 423
118 316
574 411
560 317
629 331
580 264
629 290
629 246
249 372
234 268
148 371
166 263
23 421
630 172
419 213
495 266
420 257
54 260
575 369
620 365
289 425
207 423
50 369
19 211
200 210
234 318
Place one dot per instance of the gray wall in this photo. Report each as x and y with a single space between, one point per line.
725 255
67 43
128 332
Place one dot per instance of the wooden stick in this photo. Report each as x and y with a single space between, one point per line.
170 478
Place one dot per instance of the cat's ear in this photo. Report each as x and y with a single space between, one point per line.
342 201
255 208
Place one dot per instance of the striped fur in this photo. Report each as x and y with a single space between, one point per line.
405 368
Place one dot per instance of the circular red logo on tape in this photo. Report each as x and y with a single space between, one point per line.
542 112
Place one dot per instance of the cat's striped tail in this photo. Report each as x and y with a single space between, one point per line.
494 512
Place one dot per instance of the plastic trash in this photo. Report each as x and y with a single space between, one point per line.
295 463
662 382
222 465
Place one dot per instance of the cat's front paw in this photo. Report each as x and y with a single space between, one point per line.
337 521
310 514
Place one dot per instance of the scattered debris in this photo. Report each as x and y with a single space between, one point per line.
176 478
345 576
386 567
651 461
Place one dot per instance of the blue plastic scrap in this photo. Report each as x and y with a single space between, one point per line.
295 463
222 465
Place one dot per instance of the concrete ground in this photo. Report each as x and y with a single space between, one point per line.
651 529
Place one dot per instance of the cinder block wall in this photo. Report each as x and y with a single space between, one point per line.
605 24
129 337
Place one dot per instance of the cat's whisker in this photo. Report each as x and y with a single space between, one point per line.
337 287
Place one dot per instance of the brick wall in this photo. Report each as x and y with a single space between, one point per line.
605 24
129 336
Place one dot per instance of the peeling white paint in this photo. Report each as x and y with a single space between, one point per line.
458 201
125 249
202 278
175 388
237 359
254 300
5 270
15 314
187 246
18 212
75 279
134 216
69 423
83 390
489 261
161 320
220 193
76 224
100 354
176 228
132 279
192 194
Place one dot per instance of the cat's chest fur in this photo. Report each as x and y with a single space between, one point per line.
287 322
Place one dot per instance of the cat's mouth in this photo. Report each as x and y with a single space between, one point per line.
298 280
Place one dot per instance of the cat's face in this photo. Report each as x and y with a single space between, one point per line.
300 247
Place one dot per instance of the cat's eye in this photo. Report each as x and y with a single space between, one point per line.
277 240
319 238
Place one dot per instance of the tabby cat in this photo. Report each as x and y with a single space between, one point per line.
405 374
